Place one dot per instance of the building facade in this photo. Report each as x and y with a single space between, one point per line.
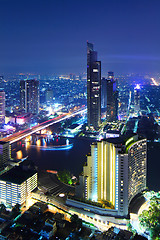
16 185
2 107
93 88
137 170
115 172
29 96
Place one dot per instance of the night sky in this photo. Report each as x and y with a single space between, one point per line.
49 36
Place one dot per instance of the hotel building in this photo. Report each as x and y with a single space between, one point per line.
115 173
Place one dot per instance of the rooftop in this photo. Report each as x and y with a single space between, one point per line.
3 142
17 175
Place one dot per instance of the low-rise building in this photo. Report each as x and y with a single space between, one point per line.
16 185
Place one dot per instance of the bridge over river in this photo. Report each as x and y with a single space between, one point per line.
22 134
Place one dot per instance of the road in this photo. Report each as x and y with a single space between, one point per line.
22 134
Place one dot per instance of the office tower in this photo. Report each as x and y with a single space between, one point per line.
49 95
29 96
115 172
93 88
2 107
137 99
16 185
112 98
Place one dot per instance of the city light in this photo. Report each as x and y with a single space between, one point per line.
87 112
137 87
154 82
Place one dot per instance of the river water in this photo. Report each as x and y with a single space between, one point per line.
74 158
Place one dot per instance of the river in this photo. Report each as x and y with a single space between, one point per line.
74 158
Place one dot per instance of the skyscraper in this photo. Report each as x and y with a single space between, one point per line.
29 96
115 172
93 88
137 99
112 98
2 107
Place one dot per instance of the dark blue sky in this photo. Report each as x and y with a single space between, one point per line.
49 36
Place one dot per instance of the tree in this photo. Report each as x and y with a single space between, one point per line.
76 221
150 219
2 208
65 176
16 208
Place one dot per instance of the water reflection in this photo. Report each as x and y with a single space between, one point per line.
20 149
19 154
72 159
38 142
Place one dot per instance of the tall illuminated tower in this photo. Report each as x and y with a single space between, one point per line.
93 88
2 107
29 96
137 99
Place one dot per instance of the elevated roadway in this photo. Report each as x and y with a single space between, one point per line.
22 134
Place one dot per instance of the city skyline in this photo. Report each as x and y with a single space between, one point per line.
51 37
79 123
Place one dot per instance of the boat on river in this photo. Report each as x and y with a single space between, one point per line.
66 146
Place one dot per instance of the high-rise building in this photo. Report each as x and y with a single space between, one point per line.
112 98
115 173
93 88
2 107
29 96
137 99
